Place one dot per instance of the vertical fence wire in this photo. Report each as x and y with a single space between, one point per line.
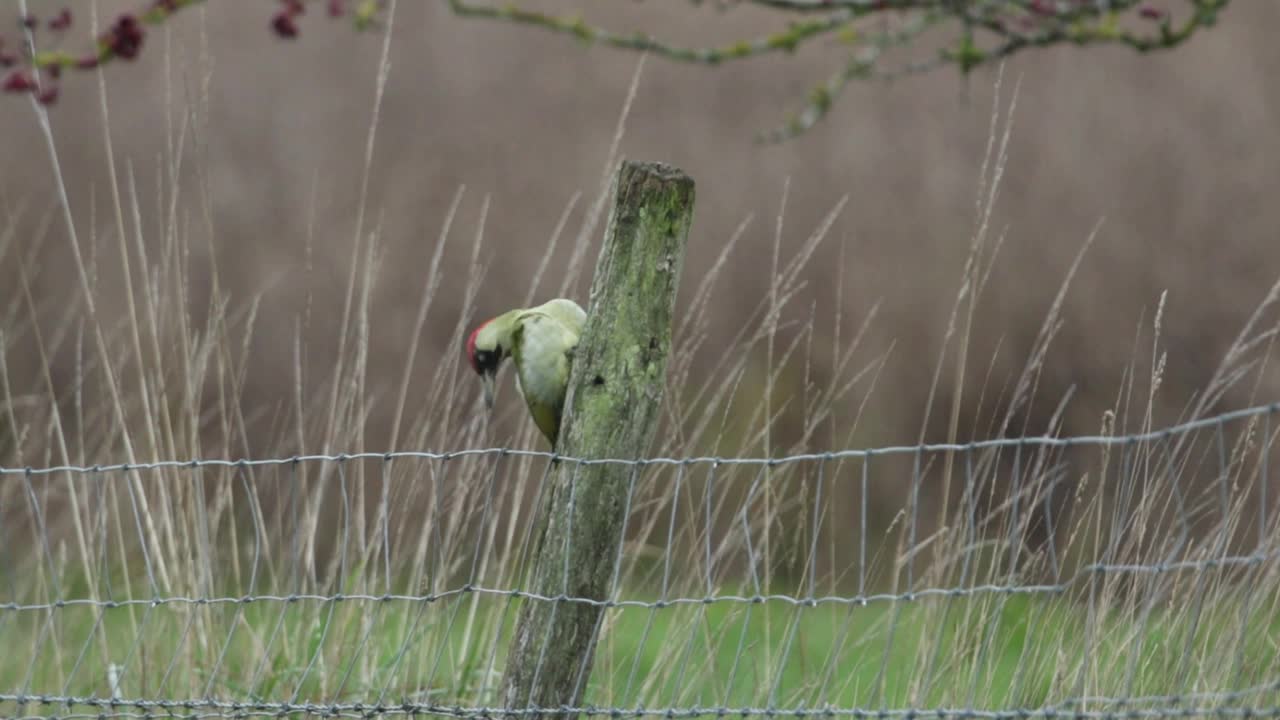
1083 577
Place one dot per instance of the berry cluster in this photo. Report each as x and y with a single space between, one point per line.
285 24
39 74
22 80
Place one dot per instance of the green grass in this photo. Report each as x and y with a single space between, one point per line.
991 651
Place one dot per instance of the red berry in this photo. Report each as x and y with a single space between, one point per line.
18 81
284 25
61 21
125 37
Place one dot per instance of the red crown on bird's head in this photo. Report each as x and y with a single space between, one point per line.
471 345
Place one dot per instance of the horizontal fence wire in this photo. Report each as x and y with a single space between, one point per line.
1111 576
1038 440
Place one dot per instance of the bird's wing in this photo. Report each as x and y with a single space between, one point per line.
567 317
543 358
566 311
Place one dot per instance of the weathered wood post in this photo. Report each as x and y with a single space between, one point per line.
615 390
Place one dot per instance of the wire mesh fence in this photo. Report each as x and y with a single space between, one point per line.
1115 576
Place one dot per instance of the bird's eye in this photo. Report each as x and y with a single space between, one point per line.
485 360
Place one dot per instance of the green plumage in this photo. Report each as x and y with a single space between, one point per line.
541 341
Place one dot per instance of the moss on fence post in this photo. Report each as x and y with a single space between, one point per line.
615 391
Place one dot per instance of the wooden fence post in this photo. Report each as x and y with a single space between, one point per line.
615 392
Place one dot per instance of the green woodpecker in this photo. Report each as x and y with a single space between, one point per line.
541 341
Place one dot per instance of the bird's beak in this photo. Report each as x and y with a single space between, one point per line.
488 381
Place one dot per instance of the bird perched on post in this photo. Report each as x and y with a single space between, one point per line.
541 341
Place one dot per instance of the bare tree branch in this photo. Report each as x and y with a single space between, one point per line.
972 33
982 32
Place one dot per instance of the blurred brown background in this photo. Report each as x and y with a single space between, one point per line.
1176 151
